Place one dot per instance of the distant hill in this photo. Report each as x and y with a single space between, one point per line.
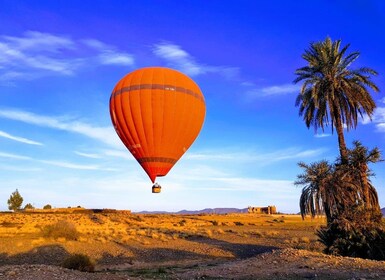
203 211
383 211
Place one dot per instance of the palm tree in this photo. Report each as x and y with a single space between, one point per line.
357 169
315 197
332 94
337 189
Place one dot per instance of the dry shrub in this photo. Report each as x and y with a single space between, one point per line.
141 232
215 223
294 240
272 233
209 233
61 229
256 233
154 235
305 239
220 231
79 262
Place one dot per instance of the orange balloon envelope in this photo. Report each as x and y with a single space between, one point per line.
157 113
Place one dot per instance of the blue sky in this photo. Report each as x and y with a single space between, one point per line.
59 61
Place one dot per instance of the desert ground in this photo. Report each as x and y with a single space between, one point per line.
123 245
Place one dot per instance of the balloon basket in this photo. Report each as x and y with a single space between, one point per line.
156 188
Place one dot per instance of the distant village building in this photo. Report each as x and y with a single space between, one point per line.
262 210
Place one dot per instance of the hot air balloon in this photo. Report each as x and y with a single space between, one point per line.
157 112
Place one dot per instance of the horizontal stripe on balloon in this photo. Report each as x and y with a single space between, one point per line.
156 159
158 86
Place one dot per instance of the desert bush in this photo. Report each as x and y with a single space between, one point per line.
215 223
220 231
61 229
256 233
79 262
28 206
47 206
359 235
305 239
271 233
238 223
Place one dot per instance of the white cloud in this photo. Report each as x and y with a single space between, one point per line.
87 155
116 58
273 90
263 157
103 134
19 169
252 184
322 135
378 118
71 165
57 163
19 139
13 156
36 54
175 56
109 54
35 51
124 154
38 41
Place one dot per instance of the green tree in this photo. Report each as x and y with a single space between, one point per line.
15 201
331 93
28 206
48 206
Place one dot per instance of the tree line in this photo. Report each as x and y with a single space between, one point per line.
15 202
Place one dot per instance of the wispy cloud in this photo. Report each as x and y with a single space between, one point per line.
123 154
14 156
322 135
71 165
180 59
266 158
58 163
36 54
103 134
108 54
378 119
19 139
19 169
88 155
273 90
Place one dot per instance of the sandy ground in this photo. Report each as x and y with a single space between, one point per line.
127 246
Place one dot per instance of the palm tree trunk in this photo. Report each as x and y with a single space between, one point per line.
341 141
365 186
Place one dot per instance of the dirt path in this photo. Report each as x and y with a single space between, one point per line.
277 264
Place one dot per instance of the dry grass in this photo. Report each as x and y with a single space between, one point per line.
100 235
